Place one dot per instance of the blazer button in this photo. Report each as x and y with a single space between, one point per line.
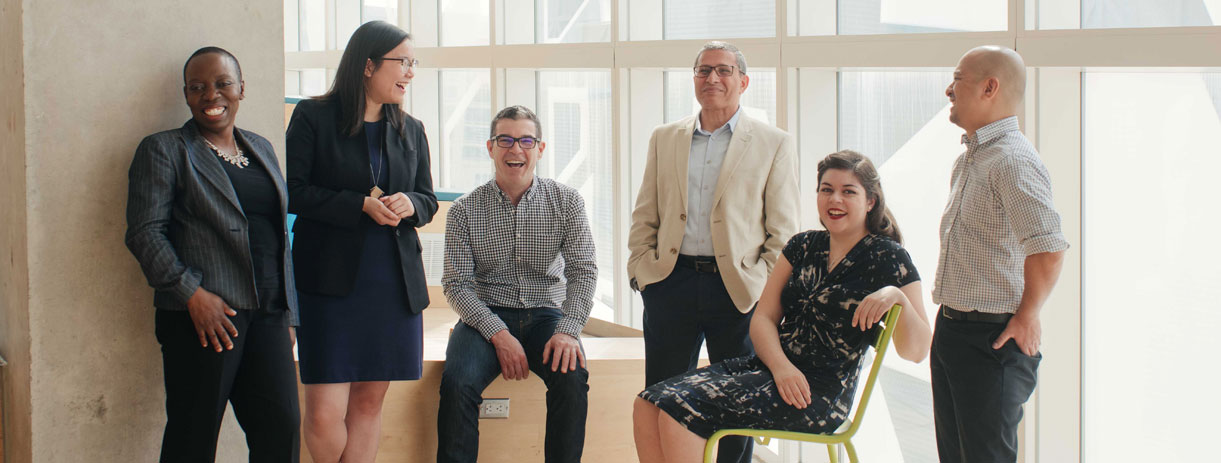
673 251
396 232
682 217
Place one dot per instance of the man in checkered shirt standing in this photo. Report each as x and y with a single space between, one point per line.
520 270
1001 253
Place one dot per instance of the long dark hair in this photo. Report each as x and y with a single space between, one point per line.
879 220
371 41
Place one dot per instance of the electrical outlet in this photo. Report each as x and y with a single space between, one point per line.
494 408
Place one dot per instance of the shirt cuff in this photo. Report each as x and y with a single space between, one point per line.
569 326
187 284
1053 242
491 326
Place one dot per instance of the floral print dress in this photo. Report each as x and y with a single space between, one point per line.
816 334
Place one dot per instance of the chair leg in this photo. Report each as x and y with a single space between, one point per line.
833 453
710 449
851 452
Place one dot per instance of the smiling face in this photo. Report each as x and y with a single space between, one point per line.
515 166
385 80
213 91
966 93
843 203
720 93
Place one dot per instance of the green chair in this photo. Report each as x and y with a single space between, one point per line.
845 432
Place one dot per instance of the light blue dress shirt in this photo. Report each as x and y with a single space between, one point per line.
703 168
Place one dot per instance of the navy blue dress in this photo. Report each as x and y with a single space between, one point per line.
816 334
369 334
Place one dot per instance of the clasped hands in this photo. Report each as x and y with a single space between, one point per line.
562 351
389 209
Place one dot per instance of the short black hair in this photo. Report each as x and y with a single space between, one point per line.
517 112
217 50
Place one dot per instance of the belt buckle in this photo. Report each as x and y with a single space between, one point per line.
706 267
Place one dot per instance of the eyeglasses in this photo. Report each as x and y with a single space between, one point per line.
406 63
505 141
723 70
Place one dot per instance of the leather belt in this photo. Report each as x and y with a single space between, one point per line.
702 264
954 314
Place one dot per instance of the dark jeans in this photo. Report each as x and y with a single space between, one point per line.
258 377
471 365
681 312
978 391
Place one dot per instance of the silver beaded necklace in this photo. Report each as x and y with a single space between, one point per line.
239 159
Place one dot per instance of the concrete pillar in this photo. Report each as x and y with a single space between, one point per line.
82 83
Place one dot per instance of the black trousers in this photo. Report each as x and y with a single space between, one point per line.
258 377
978 391
681 312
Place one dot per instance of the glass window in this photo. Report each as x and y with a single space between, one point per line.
1149 13
758 101
900 120
292 83
917 16
880 111
575 109
313 25
555 21
313 82
380 10
570 21
347 19
705 19
1149 144
466 109
292 18
464 23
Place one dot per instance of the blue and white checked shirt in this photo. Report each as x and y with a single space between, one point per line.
539 253
1000 211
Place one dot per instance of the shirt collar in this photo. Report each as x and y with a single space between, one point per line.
992 131
730 125
527 195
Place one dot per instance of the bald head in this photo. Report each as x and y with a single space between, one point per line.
990 61
988 86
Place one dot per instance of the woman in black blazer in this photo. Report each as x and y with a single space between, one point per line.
205 217
359 182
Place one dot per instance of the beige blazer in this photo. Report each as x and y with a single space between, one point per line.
754 207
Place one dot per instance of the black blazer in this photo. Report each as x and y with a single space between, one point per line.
186 226
328 180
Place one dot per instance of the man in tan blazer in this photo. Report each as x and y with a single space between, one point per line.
718 202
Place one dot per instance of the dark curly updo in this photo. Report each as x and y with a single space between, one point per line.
879 220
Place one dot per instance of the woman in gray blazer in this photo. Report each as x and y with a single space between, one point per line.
206 212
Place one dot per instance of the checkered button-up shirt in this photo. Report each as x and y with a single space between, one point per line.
539 253
1000 211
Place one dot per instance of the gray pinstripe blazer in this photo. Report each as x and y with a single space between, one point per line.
185 225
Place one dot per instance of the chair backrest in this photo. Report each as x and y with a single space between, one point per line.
879 348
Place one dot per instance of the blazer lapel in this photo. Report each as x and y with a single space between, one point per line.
738 146
400 159
682 147
206 163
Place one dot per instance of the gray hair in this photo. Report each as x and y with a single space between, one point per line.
719 45
517 112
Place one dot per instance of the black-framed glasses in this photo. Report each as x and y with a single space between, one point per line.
505 141
406 63
723 70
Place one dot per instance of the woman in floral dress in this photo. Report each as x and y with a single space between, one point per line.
818 313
